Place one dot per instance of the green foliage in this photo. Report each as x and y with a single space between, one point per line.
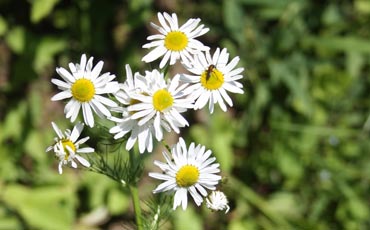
41 8
294 148
34 206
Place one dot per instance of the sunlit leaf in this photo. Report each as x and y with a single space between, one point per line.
16 39
42 208
118 202
41 8
3 26
46 50
285 203
188 219
362 6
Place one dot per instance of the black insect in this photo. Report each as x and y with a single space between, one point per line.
209 71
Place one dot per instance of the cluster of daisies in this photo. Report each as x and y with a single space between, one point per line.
147 105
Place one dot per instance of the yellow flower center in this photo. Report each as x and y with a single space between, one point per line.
162 99
212 79
83 90
175 41
67 142
187 176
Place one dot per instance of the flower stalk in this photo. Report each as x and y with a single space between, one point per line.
136 202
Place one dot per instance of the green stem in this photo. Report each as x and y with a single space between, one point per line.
136 202
135 193
165 70
166 146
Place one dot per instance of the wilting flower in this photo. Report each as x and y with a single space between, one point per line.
67 147
217 201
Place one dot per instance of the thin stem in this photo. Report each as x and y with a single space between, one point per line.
166 146
136 202
165 70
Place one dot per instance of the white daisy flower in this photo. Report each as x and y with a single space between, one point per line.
67 148
84 85
190 171
212 78
217 201
160 104
175 42
144 133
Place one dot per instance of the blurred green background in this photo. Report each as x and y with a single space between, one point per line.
294 148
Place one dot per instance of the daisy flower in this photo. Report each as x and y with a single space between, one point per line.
187 171
84 85
217 201
67 148
212 77
159 104
124 125
175 42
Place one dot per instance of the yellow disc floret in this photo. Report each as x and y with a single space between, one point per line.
176 41
162 100
83 90
187 176
69 143
212 79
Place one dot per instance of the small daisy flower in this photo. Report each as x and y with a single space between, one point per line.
160 104
187 171
85 86
217 201
175 42
67 148
124 125
212 78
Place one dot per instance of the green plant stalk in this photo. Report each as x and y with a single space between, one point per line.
136 202
165 71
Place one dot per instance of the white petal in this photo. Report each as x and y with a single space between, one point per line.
99 108
197 198
218 97
67 76
73 164
87 114
105 101
202 100
96 71
231 65
75 110
226 97
61 84
83 161
180 198
165 59
163 22
85 150
57 130
154 54
157 127
83 62
60 169
61 95
76 132
231 88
